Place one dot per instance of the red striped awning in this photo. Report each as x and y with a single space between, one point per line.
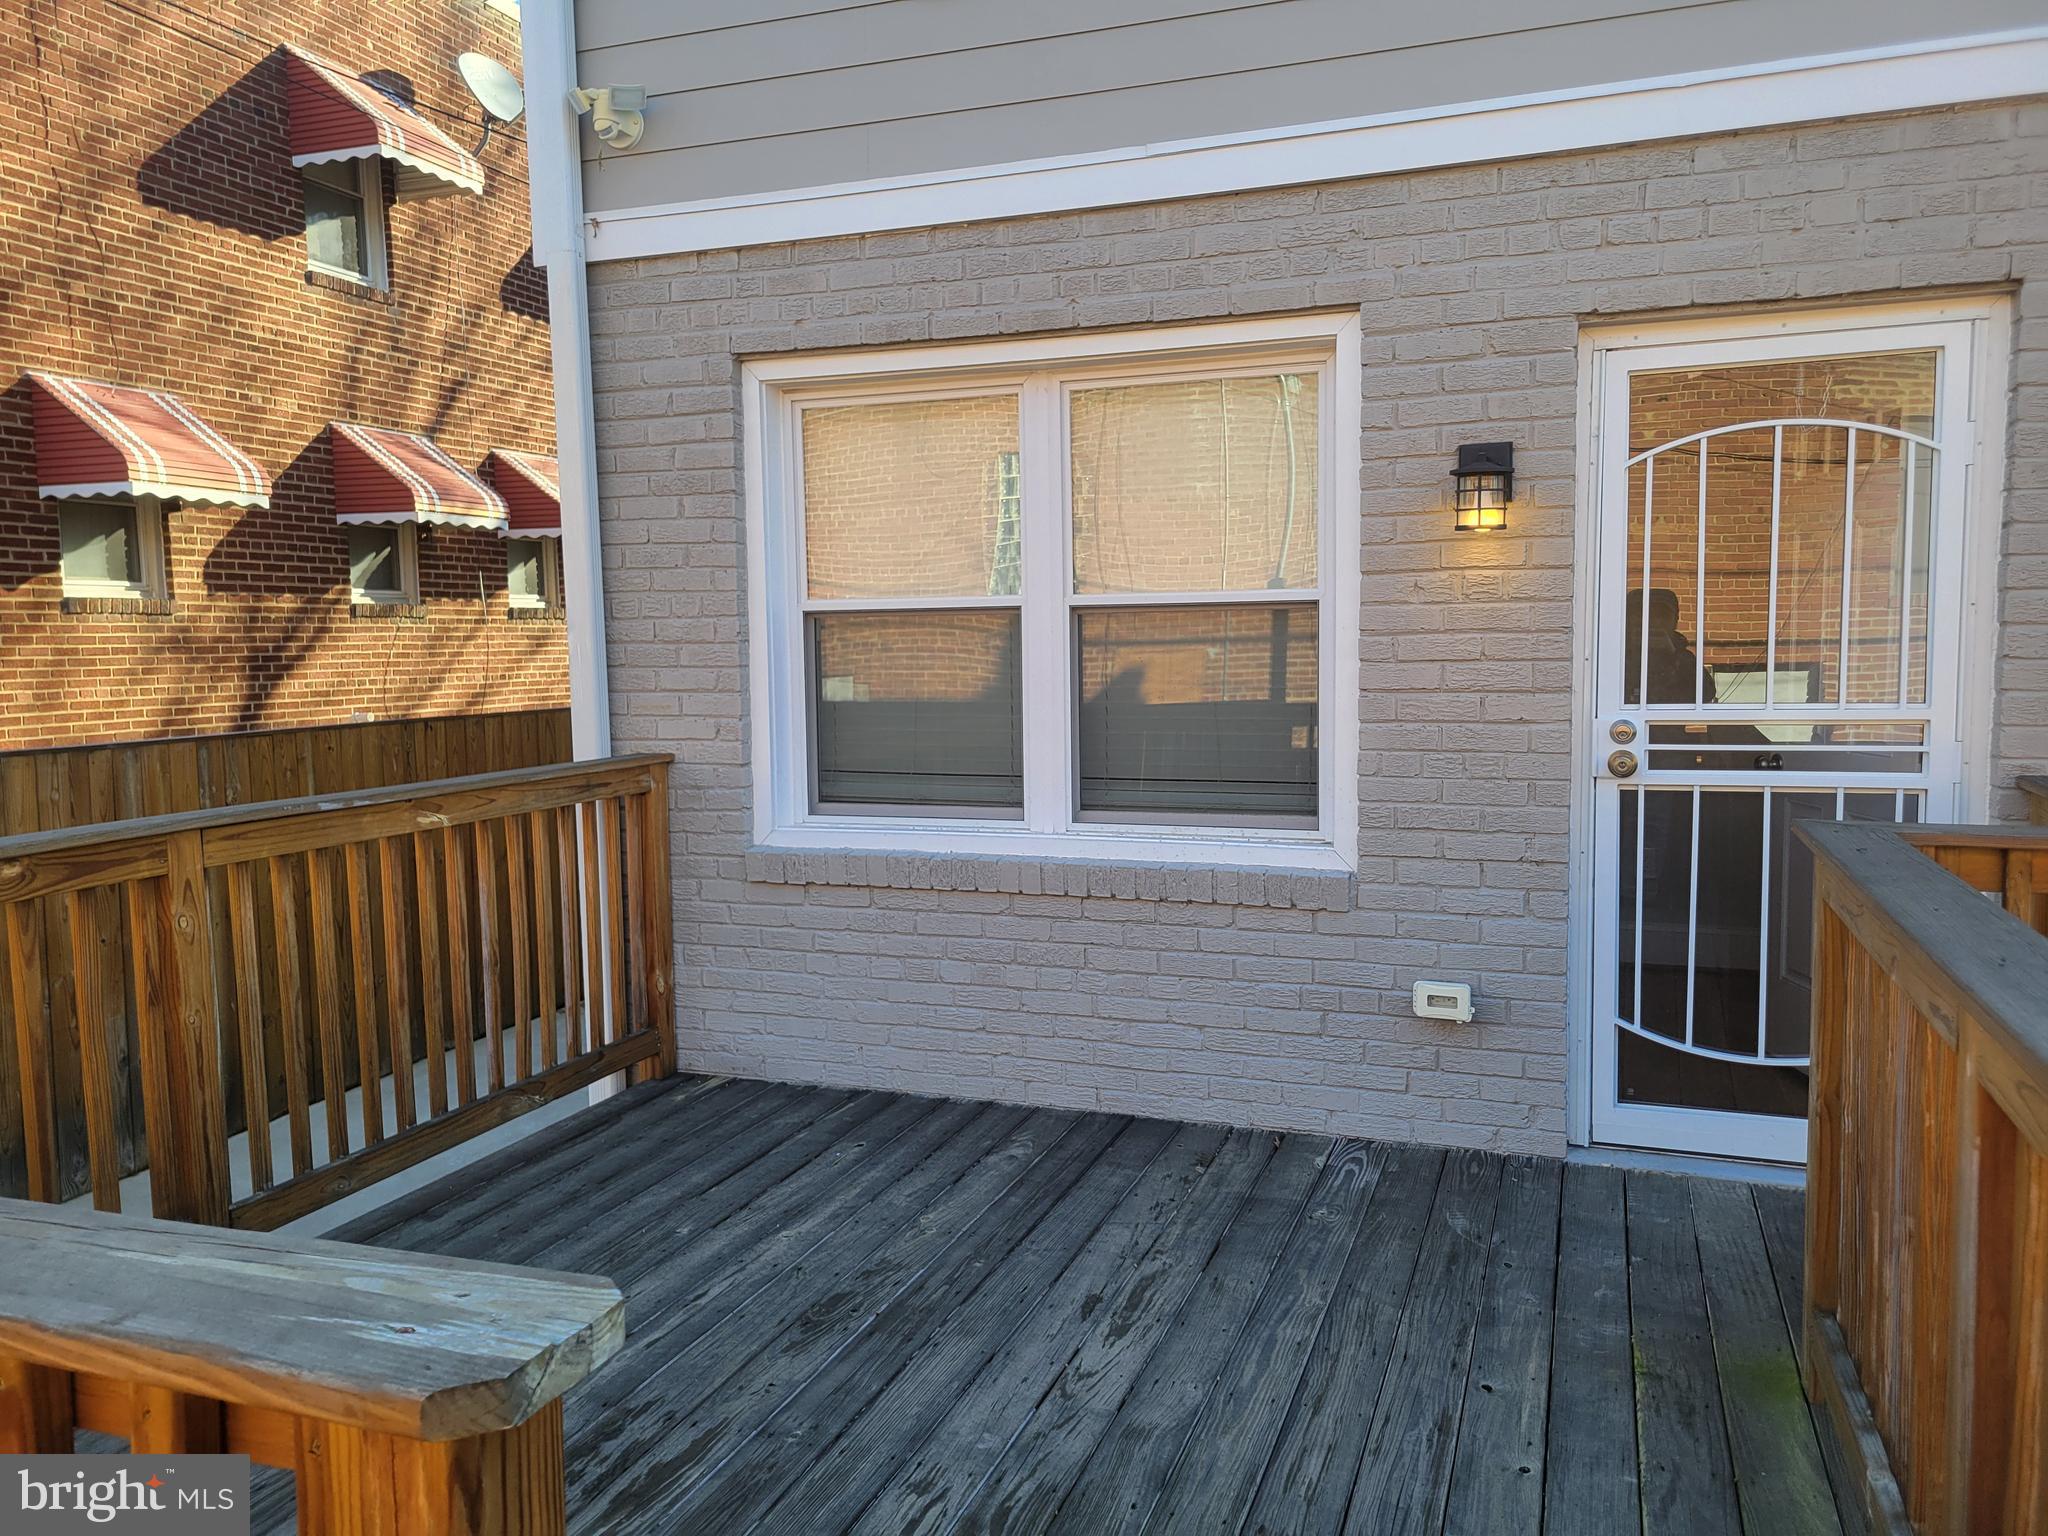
336 116
531 484
381 476
96 439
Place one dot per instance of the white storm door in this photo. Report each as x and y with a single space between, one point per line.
1778 639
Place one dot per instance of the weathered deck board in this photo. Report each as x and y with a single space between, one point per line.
1681 1434
1591 1480
854 1311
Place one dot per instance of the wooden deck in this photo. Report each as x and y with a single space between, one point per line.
867 1312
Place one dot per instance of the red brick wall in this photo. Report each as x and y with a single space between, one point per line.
152 233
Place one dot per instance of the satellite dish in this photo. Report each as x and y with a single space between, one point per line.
495 87
492 84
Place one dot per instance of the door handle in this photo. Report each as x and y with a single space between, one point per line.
1621 764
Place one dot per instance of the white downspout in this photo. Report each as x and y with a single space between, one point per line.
554 168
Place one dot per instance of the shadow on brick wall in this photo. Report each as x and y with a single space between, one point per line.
232 164
525 289
293 547
28 528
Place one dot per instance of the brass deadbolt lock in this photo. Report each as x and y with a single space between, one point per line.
1622 732
1621 764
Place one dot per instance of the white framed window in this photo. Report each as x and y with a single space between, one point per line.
383 563
112 546
1085 597
532 576
345 219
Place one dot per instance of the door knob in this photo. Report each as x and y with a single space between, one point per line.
1621 764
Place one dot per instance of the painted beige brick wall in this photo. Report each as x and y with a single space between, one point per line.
1274 1002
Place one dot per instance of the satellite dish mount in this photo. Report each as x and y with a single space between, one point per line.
496 89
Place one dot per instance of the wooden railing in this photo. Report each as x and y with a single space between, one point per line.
1926 1312
383 975
409 1395
49 788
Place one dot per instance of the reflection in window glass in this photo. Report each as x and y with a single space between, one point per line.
917 498
337 221
1853 515
374 565
1200 485
100 544
525 573
918 709
1199 711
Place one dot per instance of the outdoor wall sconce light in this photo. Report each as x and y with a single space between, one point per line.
1485 479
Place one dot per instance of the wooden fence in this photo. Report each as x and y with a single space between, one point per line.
49 789
383 974
1926 1312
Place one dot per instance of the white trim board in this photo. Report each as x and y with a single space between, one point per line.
1858 83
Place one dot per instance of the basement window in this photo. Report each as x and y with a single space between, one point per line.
383 563
532 582
345 219
112 546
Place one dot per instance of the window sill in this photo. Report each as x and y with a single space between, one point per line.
362 610
548 615
354 287
122 607
1310 878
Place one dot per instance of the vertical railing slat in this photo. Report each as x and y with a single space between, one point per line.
621 987
522 935
543 933
433 977
491 952
324 919
249 999
32 1048
596 985
397 976
460 1008
291 996
95 1051
361 941
572 940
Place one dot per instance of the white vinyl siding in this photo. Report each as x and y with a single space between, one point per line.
764 97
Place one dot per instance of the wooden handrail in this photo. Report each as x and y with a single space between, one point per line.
408 966
406 1392
1926 1309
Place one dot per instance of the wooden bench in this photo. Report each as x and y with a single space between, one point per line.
411 1395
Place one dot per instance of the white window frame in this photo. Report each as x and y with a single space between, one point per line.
1041 371
550 574
150 551
369 172
408 593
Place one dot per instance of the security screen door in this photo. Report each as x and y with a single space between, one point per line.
1780 578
